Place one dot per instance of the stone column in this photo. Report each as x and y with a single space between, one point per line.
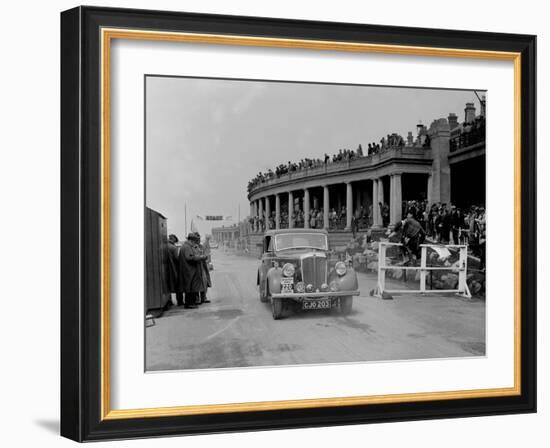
429 191
255 228
376 219
395 198
381 197
349 205
260 212
290 209
267 212
277 211
440 185
306 208
326 207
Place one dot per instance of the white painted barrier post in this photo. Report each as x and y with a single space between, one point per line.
462 269
423 271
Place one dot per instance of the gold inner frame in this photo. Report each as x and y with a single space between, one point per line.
107 35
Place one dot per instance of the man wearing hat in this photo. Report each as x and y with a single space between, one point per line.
173 271
456 223
190 262
412 236
205 271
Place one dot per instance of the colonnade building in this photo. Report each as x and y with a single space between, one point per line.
444 164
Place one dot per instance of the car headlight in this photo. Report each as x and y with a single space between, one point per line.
288 270
340 268
300 287
309 288
324 287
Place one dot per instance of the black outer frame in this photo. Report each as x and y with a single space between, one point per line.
80 223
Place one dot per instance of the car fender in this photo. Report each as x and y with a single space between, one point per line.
274 279
347 282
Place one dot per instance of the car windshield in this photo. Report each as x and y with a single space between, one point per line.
301 240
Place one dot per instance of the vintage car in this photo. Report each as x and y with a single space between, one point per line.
296 271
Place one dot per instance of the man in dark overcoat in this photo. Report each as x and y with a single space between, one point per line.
172 269
190 262
455 223
412 236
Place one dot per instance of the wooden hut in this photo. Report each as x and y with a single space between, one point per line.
156 241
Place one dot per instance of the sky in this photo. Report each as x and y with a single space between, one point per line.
206 138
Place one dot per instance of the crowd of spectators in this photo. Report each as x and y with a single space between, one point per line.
343 155
448 224
297 218
442 223
468 134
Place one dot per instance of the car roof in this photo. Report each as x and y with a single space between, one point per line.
287 231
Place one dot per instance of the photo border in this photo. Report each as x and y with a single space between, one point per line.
86 37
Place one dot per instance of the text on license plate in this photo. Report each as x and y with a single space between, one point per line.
316 304
286 285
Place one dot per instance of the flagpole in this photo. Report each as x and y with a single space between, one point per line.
185 236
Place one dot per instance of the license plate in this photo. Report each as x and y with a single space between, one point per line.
316 304
286 285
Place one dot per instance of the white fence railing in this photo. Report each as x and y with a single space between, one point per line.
462 267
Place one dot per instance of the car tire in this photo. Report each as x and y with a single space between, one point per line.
277 308
263 297
346 305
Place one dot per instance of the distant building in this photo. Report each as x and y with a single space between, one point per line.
233 235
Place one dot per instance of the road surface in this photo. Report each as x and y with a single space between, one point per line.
237 330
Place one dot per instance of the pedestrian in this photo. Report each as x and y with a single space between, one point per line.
412 236
190 278
355 222
172 270
204 267
445 225
482 240
385 212
313 219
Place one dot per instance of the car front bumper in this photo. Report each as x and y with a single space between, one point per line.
299 296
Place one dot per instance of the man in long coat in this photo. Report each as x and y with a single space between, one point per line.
190 262
203 266
172 269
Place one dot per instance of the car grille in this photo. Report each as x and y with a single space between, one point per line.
314 271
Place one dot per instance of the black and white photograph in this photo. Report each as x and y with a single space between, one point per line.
296 223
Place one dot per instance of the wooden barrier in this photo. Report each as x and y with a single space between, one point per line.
462 268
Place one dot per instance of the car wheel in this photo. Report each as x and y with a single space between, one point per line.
346 304
277 308
263 297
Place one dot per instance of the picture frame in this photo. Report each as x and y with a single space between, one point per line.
86 37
